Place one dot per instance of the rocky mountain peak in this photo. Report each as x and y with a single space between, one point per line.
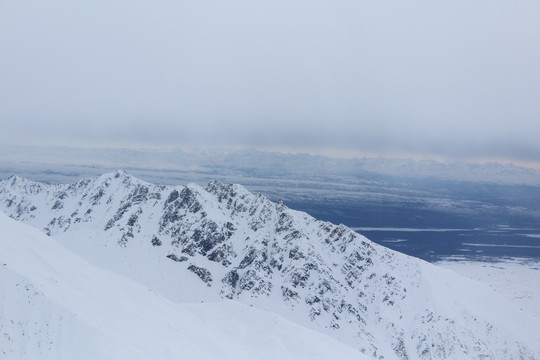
16 183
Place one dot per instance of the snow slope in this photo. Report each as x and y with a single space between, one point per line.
55 305
191 243
517 280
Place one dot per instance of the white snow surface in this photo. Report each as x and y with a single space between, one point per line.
193 244
517 280
56 305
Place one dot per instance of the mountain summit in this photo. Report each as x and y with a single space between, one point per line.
205 244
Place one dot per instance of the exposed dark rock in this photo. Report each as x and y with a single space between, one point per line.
156 241
248 259
221 254
188 200
202 273
95 198
295 254
172 197
132 219
57 205
177 258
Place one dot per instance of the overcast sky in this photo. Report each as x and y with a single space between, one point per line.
444 79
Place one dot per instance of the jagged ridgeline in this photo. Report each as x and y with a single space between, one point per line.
193 243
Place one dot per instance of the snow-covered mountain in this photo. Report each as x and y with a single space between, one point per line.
204 244
55 305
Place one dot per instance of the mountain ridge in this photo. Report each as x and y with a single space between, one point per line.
55 305
224 242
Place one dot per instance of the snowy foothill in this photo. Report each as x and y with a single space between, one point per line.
55 305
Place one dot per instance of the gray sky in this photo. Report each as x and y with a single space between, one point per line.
445 79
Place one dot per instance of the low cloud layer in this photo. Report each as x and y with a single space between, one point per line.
456 79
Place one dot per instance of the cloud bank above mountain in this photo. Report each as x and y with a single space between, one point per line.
450 79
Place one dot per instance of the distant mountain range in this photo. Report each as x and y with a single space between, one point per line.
193 243
169 166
